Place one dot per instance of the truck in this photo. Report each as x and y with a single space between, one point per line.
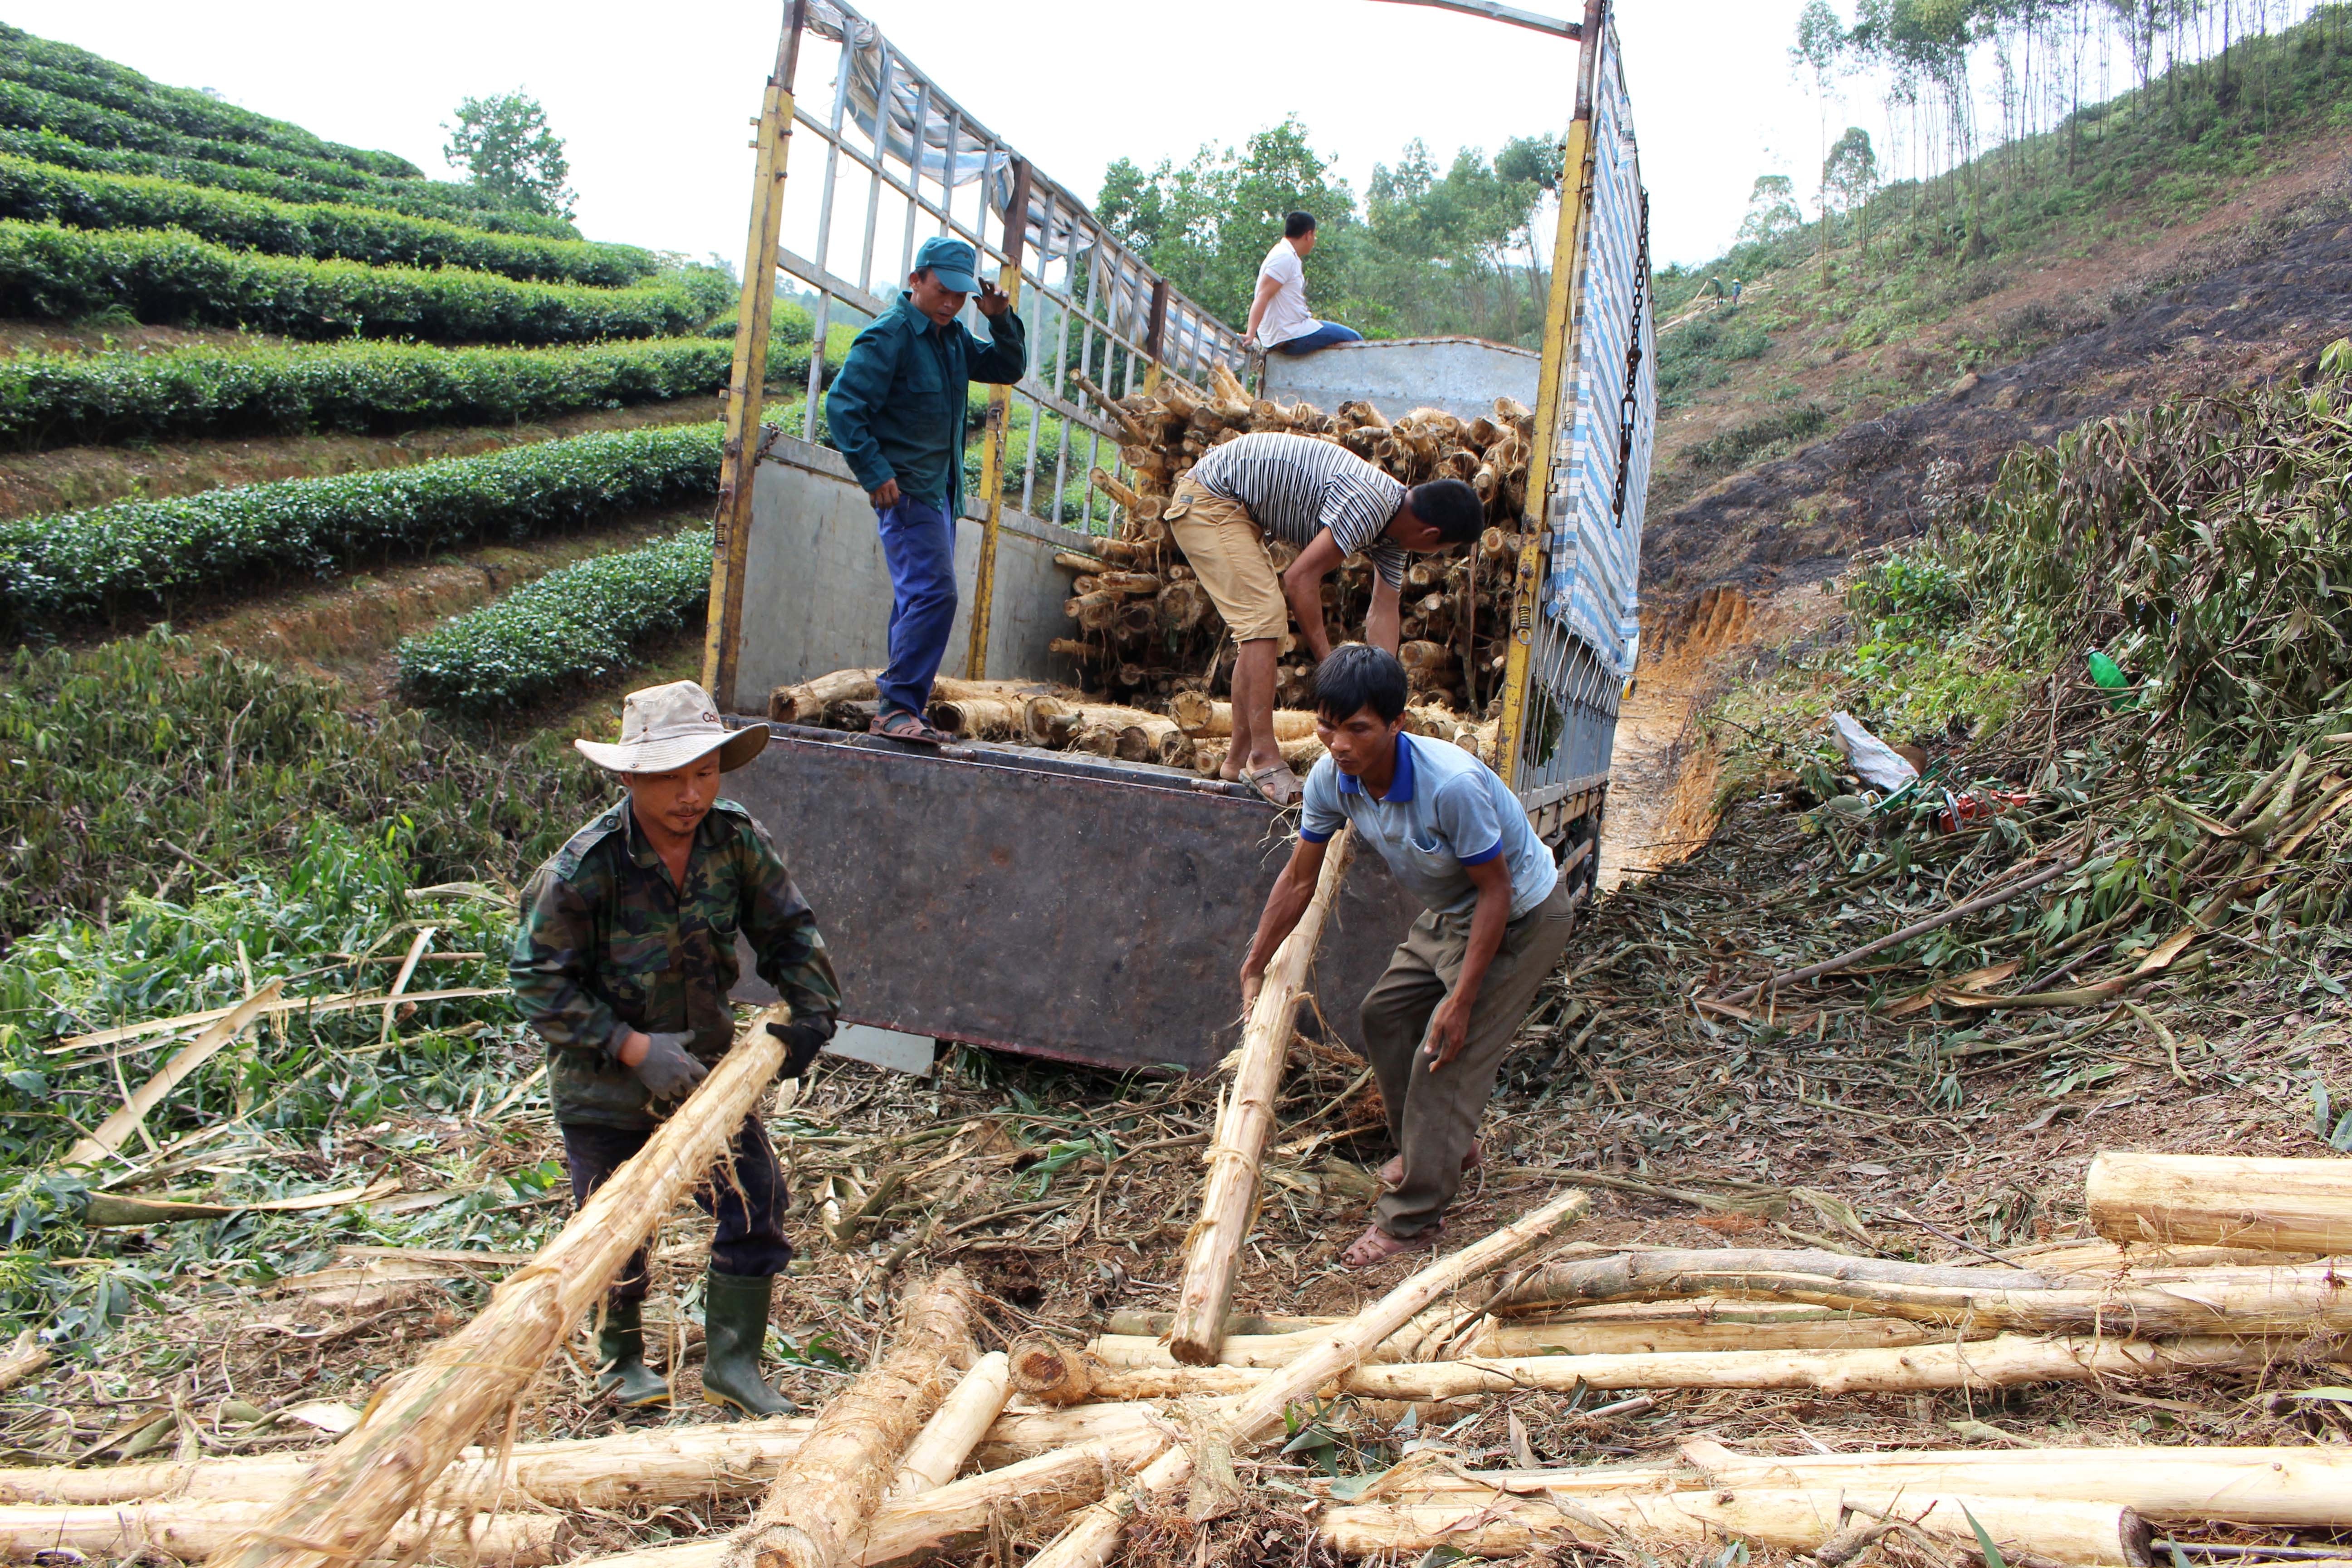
1067 906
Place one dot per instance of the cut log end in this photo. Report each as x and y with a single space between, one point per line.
1049 1372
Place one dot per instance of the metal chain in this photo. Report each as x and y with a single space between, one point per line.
1629 405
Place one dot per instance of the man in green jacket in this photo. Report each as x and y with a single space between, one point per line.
898 410
623 967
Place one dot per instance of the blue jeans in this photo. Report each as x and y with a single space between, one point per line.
1322 337
919 544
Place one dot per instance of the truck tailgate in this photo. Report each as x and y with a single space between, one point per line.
1068 906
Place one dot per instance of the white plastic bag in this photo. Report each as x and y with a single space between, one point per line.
1877 763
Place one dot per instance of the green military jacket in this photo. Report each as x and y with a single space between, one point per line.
609 945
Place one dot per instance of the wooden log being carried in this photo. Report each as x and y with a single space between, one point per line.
825 1495
379 1471
1229 1197
2233 1300
2284 1204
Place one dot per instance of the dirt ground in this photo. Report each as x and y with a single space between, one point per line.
1663 775
1066 1195
2266 313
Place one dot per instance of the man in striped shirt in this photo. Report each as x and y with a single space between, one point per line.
1331 504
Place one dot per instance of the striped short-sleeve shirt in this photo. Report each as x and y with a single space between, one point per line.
1295 487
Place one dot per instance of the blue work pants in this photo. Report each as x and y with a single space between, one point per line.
919 544
1328 335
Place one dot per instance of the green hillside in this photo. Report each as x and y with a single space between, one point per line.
2034 240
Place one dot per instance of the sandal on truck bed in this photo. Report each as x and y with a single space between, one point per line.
900 725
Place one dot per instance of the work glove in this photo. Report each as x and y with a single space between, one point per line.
802 1037
667 1071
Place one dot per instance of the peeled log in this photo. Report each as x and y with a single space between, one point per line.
825 1495
806 703
2002 1362
1729 1330
193 1532
1090 1539
2305 1486
646 1468
1037 717
1022 1496
2285 1300
379 1471
1237 1147
1119 494
982 718
27 1357
1139 742
2228 1200
1423 655
1198 714
948 1437
1504 1526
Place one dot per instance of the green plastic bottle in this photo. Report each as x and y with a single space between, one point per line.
2110 676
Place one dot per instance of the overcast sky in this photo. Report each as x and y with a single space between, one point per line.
653 101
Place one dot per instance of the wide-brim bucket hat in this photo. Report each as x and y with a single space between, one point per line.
666 727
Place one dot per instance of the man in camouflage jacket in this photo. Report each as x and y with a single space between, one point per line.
623 966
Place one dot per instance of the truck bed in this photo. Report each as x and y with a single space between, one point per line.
1070 907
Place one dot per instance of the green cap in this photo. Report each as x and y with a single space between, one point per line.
950 263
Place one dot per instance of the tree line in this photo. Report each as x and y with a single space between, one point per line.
1429 250
1996 104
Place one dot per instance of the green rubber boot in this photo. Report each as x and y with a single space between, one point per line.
734 1331
621 1369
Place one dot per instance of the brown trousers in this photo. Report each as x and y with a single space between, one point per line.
1433 1116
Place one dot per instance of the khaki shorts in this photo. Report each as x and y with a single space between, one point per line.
1226 550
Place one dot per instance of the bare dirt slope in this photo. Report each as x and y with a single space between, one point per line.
1796 518
1662 802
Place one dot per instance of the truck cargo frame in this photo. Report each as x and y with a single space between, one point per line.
1073 907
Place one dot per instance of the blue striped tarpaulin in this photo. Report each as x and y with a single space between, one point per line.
1596 550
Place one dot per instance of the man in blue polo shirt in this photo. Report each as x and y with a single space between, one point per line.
897 410
1496 917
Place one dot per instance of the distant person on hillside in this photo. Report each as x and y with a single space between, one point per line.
1278 318
897 410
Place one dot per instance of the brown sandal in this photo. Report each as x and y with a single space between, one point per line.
1376 1246
1277 784
900 725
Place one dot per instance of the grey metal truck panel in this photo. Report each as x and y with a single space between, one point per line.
1061 905
1460 375
816 594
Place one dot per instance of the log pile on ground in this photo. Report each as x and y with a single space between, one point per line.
1145 627
1079 1443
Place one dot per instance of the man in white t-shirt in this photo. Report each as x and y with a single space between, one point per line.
1278 318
